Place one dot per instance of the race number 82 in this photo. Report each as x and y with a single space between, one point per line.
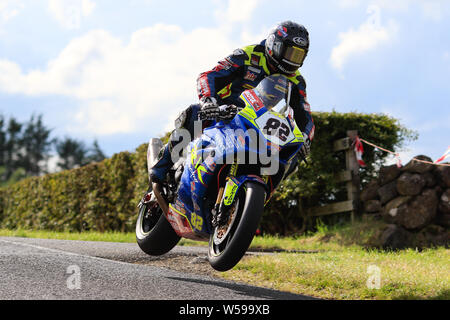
273 125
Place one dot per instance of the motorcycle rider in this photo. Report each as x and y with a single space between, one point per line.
284 51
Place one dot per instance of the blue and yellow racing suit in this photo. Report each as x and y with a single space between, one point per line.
244 70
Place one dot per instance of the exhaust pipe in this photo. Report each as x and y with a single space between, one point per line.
154 147
161 201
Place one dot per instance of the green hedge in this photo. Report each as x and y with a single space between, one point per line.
100 196
103 196
314 183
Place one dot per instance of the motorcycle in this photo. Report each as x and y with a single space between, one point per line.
218 191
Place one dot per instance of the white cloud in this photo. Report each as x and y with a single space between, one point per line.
121 85
433 10
152 77
70 12
9 9
240 11
368 36
348 3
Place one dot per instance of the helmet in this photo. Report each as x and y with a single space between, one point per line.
287 46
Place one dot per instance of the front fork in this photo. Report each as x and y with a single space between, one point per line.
227 194
225 197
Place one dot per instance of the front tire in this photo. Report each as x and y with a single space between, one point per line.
227 247
154 234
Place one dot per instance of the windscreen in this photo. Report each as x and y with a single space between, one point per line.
272 90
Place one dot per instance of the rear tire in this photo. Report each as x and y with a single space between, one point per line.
225 253
154 234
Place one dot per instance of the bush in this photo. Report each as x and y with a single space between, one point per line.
100 196
315 183
103 196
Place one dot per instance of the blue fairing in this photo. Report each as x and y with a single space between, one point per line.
206 156
227 143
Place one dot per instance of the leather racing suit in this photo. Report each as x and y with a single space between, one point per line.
242 70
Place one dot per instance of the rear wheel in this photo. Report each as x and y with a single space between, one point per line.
228 243
154 234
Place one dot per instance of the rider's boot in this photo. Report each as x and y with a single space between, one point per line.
186 120
158 172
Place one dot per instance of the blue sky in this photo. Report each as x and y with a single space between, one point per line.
120 71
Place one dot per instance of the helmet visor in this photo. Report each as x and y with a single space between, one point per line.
294 56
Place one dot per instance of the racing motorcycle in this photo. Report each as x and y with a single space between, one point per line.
217 192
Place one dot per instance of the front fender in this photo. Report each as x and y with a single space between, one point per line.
234 184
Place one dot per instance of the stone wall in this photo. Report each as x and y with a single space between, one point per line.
414 201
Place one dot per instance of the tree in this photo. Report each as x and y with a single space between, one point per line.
2 141
35 145
25 150
12 146
96 154
72 153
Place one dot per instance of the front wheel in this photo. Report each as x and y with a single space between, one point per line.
154 234
228 243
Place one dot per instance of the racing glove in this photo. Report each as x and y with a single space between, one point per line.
209 108
227 112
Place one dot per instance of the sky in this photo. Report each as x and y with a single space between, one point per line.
121 71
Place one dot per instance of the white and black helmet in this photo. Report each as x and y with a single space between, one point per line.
287 46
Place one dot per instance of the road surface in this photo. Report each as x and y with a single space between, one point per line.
42 269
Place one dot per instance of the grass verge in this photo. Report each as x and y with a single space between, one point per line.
337 266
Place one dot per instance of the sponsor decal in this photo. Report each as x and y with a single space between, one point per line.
282 81
179 208
250 76
172 218
179 203
210 163
230 192
282 31
255 60
204 86
254 100
255 70
281 88
300 41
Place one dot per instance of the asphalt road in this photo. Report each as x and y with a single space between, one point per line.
41 269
